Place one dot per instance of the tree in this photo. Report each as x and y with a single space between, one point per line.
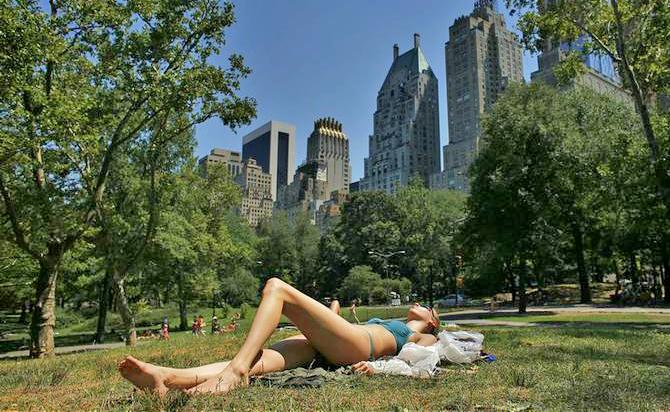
79 82
538 183
359 284
193 244
634 34
239 286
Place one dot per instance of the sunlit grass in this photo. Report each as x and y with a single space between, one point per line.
564 368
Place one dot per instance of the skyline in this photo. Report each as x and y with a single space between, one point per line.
334 71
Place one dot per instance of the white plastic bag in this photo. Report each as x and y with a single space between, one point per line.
422 359
460 346
416 360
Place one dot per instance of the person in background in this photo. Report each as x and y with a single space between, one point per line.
201 326
194 326
352 310
165 329
215 325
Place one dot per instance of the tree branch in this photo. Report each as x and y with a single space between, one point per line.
597 39
10 210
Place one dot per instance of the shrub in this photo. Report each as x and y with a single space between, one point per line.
244 310
239 287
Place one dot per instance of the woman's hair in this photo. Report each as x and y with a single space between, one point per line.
436 328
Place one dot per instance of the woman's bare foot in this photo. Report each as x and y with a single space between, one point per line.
143 375
228 380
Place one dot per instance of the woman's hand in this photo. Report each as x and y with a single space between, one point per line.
363 368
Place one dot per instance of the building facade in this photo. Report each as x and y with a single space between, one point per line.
273 147
306 193
256 192
482 58
229 159
406 130
600 75
330 145
329 212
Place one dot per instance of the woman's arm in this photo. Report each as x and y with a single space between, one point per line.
423 339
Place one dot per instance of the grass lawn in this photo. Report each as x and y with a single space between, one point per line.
564 368
628 319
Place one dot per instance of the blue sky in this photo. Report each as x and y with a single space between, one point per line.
315 58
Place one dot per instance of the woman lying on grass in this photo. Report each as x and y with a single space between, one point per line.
324 332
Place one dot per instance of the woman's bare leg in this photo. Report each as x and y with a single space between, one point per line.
336 339
289 353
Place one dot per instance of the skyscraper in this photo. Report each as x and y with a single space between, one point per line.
482 57
273 147
600 74
330 145
406 137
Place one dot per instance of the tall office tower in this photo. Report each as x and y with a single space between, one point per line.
600 75
406 138
330 145
231 160
273 147
256 192
483 56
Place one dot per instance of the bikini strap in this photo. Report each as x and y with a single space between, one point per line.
372 347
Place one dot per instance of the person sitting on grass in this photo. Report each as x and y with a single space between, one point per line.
324 333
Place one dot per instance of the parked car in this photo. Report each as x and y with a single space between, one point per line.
455 299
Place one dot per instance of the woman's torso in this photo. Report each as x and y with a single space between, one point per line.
388 342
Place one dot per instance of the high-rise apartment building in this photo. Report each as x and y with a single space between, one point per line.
256 192
482 58
600 75
328 144
229 159
273 147
406 137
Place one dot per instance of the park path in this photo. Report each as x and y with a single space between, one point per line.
65 349
472 316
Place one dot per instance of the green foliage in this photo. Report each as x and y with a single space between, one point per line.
245 309
289 250
359 284
561 180
416 220
85 88
238 287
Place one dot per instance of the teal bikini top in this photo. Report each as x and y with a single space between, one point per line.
398 329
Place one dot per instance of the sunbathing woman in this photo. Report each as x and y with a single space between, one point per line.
323 332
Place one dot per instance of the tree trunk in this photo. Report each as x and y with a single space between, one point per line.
44 313
665 255
25 309
632 268
584 287
124 308
103 302
183 321
523 298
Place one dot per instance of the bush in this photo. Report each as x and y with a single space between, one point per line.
244 310
239 287
359 284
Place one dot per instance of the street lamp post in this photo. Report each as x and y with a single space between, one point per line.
386 257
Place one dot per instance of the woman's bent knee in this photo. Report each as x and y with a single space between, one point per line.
273 285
